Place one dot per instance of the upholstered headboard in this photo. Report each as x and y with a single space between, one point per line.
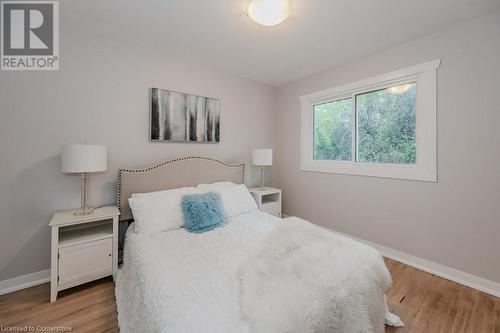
186 171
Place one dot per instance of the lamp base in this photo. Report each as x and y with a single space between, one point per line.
84 212
84 208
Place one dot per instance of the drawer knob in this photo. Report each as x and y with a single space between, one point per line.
109 255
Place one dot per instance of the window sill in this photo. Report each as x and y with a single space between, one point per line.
393 171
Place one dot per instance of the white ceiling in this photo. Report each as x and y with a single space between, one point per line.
320 33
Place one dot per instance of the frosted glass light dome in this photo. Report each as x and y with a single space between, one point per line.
269 12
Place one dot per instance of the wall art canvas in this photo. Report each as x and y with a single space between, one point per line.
178 117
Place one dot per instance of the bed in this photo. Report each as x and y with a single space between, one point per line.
258 273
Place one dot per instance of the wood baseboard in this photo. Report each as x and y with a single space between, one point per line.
24 281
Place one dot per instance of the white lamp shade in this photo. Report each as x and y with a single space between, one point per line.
262 157
81 158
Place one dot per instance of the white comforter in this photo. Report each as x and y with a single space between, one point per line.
177 281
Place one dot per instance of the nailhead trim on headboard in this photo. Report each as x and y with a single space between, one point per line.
121 171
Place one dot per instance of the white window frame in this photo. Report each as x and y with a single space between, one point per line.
425 168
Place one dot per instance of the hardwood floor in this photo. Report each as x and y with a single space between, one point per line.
425 302
428 303
86 308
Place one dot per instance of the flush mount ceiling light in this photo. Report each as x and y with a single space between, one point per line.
269 12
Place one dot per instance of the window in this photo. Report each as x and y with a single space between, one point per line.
383 126
385 123
332 130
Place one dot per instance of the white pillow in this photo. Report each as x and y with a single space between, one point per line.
217 185
160 213
183 190
236 199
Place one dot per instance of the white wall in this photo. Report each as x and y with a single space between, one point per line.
100 95
455 222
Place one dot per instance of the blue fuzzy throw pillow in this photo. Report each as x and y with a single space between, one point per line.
203 212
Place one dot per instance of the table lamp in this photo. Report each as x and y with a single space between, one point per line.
262 157
84 159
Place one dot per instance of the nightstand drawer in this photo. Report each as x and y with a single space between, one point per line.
273 208
85 262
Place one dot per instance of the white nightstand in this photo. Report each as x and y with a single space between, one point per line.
268 199
84 248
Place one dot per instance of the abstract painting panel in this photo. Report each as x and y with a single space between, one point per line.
179 117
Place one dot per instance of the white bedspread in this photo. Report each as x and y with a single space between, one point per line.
177 281
306 279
